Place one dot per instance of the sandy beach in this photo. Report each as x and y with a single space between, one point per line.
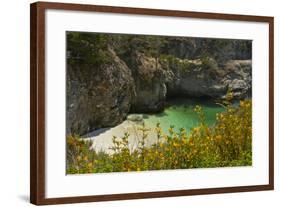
102 138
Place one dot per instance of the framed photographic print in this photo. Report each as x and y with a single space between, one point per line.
130 103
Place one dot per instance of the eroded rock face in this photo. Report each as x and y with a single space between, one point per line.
238 77
192 48
196 78
98 96
150 88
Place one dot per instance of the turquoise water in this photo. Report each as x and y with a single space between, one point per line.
180 113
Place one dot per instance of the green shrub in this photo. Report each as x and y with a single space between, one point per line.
84 48
174 63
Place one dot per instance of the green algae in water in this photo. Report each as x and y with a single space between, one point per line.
180 114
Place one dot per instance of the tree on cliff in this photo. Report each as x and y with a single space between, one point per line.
155 45
86 48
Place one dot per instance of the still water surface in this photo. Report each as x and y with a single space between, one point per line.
180 113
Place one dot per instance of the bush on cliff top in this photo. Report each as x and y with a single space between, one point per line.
87 49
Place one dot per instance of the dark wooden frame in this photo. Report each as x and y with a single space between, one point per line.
37 102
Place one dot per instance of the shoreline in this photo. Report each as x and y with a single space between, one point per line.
102 138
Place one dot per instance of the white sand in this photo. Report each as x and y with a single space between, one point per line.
102 138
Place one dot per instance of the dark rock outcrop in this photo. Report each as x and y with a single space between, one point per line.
204 78
150 88
220 49
238 77
195 78
98 96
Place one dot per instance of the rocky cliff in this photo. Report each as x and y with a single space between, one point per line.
98 96
109 76
150 88
204 78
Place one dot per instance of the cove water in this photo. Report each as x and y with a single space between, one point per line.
180 113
